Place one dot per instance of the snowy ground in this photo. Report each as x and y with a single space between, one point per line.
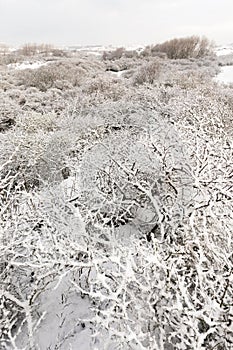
226 75
224 50
62 327
26 65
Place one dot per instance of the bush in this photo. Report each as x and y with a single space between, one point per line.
147 73
58 75
149 51
193 46
36 154
34 122
62 74
113 55
107 87
10 58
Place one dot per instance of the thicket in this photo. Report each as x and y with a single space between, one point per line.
193 46
116 208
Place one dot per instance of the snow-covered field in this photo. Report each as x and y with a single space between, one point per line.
224 50
26 65
226 75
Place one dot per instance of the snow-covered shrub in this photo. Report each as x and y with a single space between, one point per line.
9 108
33 122
193 46
206 102
62 74
49 76
5 85
149 51
131 54
176 292
51 101
106 86
187 80
147 73
42 78
114 55
37 155
10 58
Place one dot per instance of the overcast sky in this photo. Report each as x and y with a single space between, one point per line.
117 22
